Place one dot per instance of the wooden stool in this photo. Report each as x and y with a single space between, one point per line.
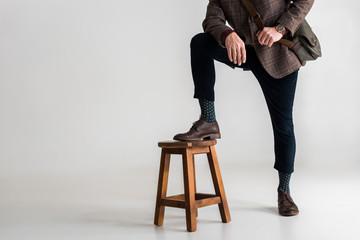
191 200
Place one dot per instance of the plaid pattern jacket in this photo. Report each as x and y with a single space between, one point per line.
277 60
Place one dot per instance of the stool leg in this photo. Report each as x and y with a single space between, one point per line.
190 204
218 185
162 187
195 184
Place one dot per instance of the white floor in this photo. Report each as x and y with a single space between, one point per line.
104 204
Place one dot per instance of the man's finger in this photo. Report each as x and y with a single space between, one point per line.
243 54
229 54
266 40
271 42
260 37
234 55
238 53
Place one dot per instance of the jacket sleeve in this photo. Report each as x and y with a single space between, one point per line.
214 22
295 14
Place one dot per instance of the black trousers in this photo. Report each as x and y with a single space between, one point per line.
279 93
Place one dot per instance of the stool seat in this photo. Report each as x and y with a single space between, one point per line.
190 200
187 144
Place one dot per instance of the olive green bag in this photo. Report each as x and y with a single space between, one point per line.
304 43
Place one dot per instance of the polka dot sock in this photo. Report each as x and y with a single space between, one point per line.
207 110
284 182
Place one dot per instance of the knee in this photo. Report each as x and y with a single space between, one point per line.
284 129
199 40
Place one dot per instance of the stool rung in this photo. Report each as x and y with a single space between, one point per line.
201 200
177 201
205 199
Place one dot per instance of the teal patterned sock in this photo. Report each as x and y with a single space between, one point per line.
207 110
284 182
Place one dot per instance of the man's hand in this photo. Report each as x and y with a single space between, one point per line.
235 48
268 36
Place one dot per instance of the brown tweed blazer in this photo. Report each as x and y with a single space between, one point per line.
277 60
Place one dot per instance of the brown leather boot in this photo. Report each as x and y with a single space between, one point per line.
199 131
286 205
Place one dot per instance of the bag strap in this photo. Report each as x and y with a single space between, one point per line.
257 19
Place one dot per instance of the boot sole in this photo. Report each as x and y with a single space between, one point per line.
289 214
205 137
212 136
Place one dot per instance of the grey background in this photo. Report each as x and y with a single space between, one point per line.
88 88
95 84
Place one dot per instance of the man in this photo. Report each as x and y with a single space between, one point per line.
275 67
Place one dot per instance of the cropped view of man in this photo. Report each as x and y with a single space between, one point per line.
244 45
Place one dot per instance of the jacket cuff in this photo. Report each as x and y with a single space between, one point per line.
224 34
286 31
217 34
289 24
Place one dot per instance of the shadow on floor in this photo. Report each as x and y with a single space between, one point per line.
135 218
242 205
140 217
